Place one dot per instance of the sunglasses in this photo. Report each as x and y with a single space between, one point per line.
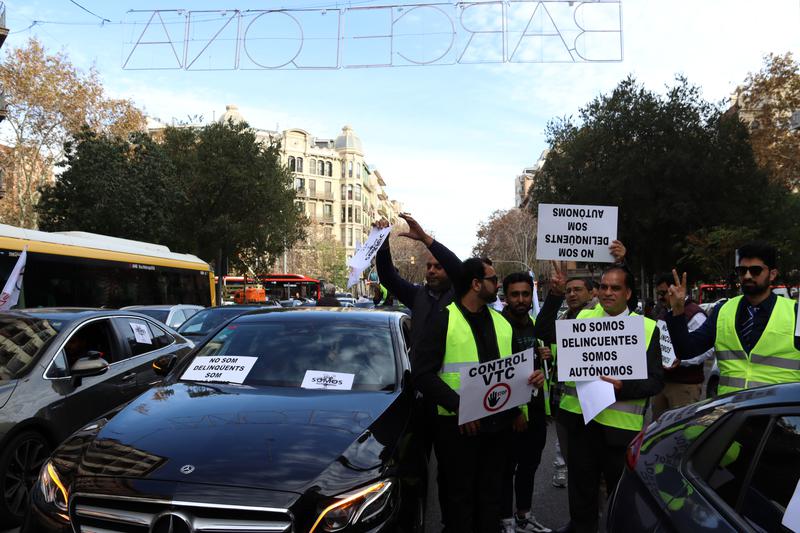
755 270
493 279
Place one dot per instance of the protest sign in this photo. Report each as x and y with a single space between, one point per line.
13 286
667 351
576 232
364 255
141 332
320 379
611 346
495 386
220 368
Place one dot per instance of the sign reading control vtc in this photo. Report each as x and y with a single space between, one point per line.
172 522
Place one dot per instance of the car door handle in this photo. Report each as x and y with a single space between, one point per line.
128 377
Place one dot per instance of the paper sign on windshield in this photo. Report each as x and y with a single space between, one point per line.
593 347
225 368
495 386
320 379
141 332
667 351
576 232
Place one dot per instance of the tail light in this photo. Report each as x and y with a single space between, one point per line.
632 453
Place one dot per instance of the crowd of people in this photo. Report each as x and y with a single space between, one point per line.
486 467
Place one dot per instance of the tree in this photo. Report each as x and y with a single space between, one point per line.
49 101
111 186
766 103
508 238
233 198
673 163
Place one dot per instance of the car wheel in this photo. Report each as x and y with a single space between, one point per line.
20 462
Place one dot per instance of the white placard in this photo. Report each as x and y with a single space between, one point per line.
791 517
594 396
593 347
363 256
10 295
224 368
667 351
321 379
495 386
141 332
576 232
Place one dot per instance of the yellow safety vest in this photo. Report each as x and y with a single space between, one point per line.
622 414
774 359
461 350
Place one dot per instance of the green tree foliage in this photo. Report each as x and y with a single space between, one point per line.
208 191
673 163
110 186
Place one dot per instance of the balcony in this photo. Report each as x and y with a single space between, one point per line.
301 193
321 195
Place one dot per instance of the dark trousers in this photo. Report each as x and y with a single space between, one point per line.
594 450
522 462
472 468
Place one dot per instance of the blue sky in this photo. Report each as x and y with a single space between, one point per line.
448 139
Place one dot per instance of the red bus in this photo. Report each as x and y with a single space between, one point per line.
286 286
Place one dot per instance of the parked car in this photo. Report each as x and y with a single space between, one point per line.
316 433
61 368
724 465
206 321
346 299
171 315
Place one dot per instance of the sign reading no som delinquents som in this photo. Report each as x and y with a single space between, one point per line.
612 346
576 232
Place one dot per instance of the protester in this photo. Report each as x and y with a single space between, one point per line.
528 440
753 334
471 455
598 448
683 382
328 296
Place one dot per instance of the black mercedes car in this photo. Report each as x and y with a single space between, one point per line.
725 465
293 421
62 368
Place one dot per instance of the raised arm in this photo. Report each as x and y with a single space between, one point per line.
403 290
449 261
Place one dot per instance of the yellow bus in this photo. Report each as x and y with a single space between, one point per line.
77 269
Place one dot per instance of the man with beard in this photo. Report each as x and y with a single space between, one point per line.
471 455
753 335
528 439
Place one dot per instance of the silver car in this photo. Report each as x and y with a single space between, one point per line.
171 315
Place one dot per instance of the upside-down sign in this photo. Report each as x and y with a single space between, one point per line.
495 386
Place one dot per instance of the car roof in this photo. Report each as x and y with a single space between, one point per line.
69 314
324 314
164 307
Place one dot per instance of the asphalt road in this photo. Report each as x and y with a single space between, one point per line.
549 503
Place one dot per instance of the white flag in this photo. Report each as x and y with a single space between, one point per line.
10 294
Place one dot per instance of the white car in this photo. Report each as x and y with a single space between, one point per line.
171 315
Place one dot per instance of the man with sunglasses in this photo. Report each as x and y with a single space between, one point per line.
753 334
471 456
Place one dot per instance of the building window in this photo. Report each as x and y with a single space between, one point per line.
299 183
329 166
349 192
321 167
344 234
312 166
358 215
327 210
299 164
343 217
312 187
328 189
358 171
358 193
349 214
349 169
344 193
292 166
350 237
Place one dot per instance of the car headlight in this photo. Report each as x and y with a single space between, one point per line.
53 490
360 505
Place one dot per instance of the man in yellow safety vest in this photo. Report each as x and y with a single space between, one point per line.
753 335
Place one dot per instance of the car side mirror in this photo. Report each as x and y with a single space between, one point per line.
164 364
88 366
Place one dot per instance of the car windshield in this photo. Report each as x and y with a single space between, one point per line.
290 352
159 314
22 341
203 322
